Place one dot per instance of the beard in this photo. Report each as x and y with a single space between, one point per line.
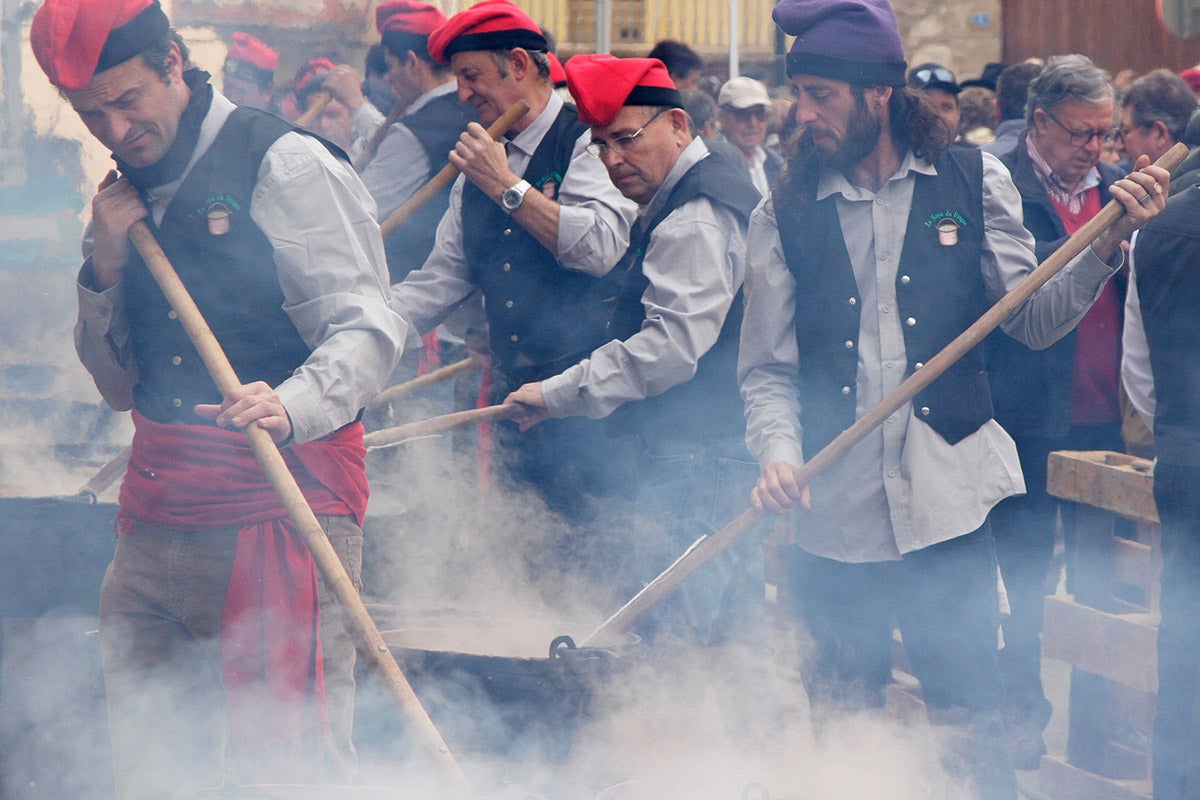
863 130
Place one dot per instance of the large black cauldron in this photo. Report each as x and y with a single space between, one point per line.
503 687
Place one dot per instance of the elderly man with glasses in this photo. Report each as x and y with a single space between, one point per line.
1065 397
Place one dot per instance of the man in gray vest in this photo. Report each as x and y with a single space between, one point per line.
882 245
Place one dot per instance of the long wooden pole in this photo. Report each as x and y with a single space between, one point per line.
368 153
709 547
441 374
434 425
106 475
447 174
319 101
298 509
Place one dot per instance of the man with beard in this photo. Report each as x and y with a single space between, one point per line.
214 628
879 247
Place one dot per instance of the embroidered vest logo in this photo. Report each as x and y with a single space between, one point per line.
218 211
946 224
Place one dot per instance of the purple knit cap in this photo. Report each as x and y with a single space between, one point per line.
857 41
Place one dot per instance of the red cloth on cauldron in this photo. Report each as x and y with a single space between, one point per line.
195 477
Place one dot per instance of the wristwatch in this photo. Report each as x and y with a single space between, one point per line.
510 199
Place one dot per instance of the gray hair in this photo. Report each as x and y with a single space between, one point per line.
1068 79
541 62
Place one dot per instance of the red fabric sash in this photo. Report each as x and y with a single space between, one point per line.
193 477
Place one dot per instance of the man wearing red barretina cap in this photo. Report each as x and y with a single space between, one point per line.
249 72
534 224
347 119
415 147
669 374
224 656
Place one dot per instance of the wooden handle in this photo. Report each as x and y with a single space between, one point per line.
447 174
368 153
466 366
370 642
708 548
319 101
107 474
446 422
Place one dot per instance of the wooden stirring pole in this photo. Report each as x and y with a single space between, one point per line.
265 450
319 101
468 365
447 174
446 422
707 548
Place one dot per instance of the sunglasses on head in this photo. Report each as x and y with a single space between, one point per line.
928 75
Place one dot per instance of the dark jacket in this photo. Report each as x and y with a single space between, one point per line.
1031 389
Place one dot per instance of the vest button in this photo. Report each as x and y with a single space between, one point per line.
853 301
172 315
508 231
910 322
918 365
513 337
846 390
904 279
176 360
507 267
924 411
508 303
177 402
849 344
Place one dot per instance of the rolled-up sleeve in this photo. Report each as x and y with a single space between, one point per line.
594 218
320 221
768 363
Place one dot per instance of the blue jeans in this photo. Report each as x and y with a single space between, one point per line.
688 488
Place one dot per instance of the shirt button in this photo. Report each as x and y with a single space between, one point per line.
177 402
883 256
507 267
910 322
508 231
888 364
845 390
891 473
508 303
924 411
849 344
853 301
879 201
904 279
513 337
172 315
176 360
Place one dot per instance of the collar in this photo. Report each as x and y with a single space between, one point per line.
832 181
527 140
689 157
449 87
1070 196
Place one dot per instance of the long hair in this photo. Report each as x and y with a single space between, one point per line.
913 123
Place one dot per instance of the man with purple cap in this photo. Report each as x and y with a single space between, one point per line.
225 657
534 225
668 374
881 244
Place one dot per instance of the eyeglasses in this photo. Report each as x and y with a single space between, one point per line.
1082 138
619 144
1121 132
923 77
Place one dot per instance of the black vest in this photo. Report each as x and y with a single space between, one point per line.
939 291
543 317
227 265
709 405
437 126
1167 255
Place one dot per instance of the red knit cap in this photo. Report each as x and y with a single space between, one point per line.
601 84
75 39
247 49
409 16
558 75
490 25
312 68
1191 76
